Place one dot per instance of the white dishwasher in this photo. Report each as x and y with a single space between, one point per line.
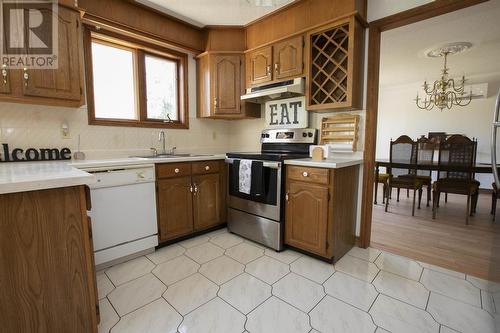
123 212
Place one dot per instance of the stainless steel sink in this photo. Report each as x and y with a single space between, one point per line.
172 155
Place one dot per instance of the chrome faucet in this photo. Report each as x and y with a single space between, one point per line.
161 137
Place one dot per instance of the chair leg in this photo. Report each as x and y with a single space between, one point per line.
399 190
414 197
474 203
434 203
493 201
384 189
446 197
376 192
467 210
389 189
438 197
419 197
407 192
429 190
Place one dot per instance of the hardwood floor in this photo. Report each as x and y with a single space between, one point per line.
445 241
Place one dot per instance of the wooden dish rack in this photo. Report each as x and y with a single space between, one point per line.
340 130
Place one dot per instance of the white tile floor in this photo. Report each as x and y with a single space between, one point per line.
222 283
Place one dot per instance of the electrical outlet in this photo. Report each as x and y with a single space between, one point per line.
65 134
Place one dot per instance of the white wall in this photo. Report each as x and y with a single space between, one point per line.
25 126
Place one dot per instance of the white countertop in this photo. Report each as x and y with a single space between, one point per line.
31 176
333 163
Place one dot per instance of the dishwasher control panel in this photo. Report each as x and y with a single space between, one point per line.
122 176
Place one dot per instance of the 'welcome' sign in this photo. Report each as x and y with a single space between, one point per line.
33 154
286 113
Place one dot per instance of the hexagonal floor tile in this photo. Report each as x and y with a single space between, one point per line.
215 316
175 270
188 243
274 315
188 294
134 294
398 265
287 256
396 316
450 286
244 252
204 252
166 253
368 254
359 268
267 269
156 317
298 291
351 290
109 317
226 240
332 315
222 269
401 288
245 292
313 269
104 285
129 270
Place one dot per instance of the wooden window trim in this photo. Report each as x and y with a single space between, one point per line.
140 49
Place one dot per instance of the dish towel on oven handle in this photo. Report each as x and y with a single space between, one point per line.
245 176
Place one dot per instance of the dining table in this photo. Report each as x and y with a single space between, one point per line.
479 167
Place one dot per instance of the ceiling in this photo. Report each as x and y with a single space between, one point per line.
213 12
402 60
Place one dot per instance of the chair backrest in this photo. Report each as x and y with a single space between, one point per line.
458 151
403 150
426 148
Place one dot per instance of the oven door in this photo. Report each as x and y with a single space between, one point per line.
266 205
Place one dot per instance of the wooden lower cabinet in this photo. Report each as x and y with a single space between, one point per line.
320 213
47 275
207 201
190 197
175 207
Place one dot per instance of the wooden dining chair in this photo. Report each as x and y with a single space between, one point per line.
457 157
405 151
495 195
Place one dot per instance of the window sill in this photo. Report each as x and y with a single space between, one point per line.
136 123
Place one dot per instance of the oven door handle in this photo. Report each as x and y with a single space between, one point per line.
272 165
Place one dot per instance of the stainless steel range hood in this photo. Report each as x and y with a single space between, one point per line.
278 90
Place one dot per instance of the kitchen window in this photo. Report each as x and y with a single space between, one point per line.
133 83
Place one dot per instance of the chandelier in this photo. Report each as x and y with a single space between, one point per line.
445 93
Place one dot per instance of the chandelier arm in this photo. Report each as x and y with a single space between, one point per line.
459 89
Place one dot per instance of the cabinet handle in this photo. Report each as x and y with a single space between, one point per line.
4 73
286 196
191 188
268 70
195 189
276 67
26 76
215 102
207 168
176 170
305 174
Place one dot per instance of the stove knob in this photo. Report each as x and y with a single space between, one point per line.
304 134
268 136
310 134
263 136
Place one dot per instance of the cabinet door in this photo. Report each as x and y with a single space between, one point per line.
226 70
207 201
65 82
175 207
306 217
259 65
288 58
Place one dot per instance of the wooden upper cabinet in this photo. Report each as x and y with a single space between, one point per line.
226 71
335 66
220 78
207 201
288 58
65 82
307 217
259 65
62 86
175 207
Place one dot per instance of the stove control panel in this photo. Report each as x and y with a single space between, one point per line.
295 135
